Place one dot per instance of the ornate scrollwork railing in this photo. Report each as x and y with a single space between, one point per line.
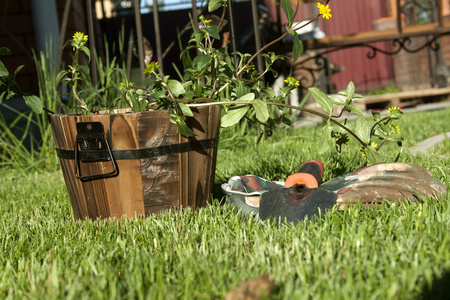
413 11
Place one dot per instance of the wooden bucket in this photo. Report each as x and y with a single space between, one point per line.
136 163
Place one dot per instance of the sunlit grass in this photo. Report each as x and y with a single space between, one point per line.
398 252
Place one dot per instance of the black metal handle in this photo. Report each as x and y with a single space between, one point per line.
111 157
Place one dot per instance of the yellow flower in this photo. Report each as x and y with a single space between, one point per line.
291 81
80 38
249 68
392 108
324 10
207 22
122 85
151 68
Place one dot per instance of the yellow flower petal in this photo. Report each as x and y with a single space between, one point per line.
324 10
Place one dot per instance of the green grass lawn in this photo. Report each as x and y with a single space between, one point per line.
401 251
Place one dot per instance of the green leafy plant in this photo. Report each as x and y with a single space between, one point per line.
39 154
8 81
371 134
215 77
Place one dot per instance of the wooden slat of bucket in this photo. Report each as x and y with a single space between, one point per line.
109 196
64 137
160 175
94 191
127 187
197 169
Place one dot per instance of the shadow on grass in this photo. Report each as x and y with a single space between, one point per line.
217 193
440 288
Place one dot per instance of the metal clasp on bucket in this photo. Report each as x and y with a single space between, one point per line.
91 142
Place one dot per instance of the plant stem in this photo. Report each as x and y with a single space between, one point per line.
171 97
267 46
372 130
83 105
275 41
80 102
325 117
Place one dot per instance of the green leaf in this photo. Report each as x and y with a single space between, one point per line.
215 4
201 61
395 137
247 97
10 94
176 88
241 89
198 36
322 99
149 82
362 129
183 128
132 99
33 102
356 109
18 70
159 94
288 11
233 116
372 155
297 48
86 51
269 92
2 96
5 51
327 142
270 58
121 71
198 88
3 70
376 115
262 113
380 132
350 90
60 76
70 43
185 109
85 69
286 121
213 32
337 100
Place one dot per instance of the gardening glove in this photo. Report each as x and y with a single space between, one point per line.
369 186
309 174
391 181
